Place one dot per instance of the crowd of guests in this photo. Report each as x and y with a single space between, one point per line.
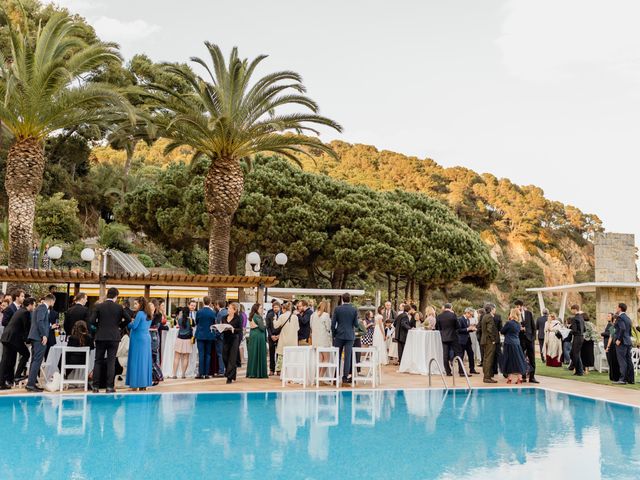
127 338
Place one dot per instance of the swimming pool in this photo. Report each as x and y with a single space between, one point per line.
405 434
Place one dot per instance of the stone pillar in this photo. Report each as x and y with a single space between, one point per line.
615 255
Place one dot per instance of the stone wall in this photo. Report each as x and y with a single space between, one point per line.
607 300
615 255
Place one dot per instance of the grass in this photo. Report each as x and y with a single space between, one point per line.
593 377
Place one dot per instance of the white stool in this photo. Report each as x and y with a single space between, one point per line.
295 358
635 358
333 362
368 361
64 367
603 364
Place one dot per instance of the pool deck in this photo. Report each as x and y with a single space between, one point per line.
391 379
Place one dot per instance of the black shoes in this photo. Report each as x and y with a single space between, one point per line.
474 372
199 377
33 388
489 380
5 386
229 381
111 390
620 382
533 380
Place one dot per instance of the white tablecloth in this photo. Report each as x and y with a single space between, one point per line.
475 345
421 346
55 354
306 355
168 350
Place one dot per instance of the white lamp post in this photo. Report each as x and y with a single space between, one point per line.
54 253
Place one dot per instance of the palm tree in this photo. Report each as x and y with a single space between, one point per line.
41 91
230 117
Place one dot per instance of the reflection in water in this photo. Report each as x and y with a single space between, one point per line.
524 433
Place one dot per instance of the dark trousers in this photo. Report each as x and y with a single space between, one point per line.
38 350
346 346
272 355
400 350
530 352
468 349
576 358
489 352
230 353
612 360
219 345
8 363
541 345
110 348
204 356
448 349
623 354
155 356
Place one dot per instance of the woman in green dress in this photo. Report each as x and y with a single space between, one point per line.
257 364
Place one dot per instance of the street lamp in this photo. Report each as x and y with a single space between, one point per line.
54 253
35 253
87 254
253 259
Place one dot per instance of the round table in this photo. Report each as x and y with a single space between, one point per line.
168 350
421 346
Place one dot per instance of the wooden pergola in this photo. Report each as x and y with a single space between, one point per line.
78 277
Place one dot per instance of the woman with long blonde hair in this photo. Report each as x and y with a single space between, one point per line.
321 331
430 318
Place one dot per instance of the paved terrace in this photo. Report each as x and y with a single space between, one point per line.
391 379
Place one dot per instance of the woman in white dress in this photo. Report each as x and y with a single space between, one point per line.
379 340
288 323
321 331
552 346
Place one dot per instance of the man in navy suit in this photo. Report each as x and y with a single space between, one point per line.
464 340
18 297
38 334
623 345
205 319
343 323
446 323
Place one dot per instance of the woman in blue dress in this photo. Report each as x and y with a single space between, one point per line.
139 364
513 362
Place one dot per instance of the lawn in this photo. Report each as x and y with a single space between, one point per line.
593 377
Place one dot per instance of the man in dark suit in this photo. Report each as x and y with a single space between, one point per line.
38 334
304 320
464 340
272 333
577 332
402 325
13 340
540 324
108 317
623 345
528 338
447 324
489 340
388 314
17 297
77 312
205 319
343 325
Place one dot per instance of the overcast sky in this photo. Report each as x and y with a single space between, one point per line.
544 93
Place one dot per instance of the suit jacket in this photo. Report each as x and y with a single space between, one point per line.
40 325
540 323
271 316
622 329
236 323
76 313
389 315
304 322
402 326
577 325
463 333
109 317
344 321
447 323
489 330
17 331
529 325
8 313
204 319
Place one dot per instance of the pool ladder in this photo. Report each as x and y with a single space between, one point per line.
464 370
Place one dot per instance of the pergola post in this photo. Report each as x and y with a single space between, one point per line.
563 304
147 291
102 292
76 289
541 302
260 294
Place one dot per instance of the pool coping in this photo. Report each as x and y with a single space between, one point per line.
310 390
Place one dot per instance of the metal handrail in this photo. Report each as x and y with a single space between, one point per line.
440 371
464 370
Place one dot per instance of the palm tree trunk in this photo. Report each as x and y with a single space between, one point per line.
223 187
25 168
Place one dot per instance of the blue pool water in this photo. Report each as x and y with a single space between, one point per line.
488 434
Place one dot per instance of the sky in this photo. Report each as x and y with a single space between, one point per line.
544 93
